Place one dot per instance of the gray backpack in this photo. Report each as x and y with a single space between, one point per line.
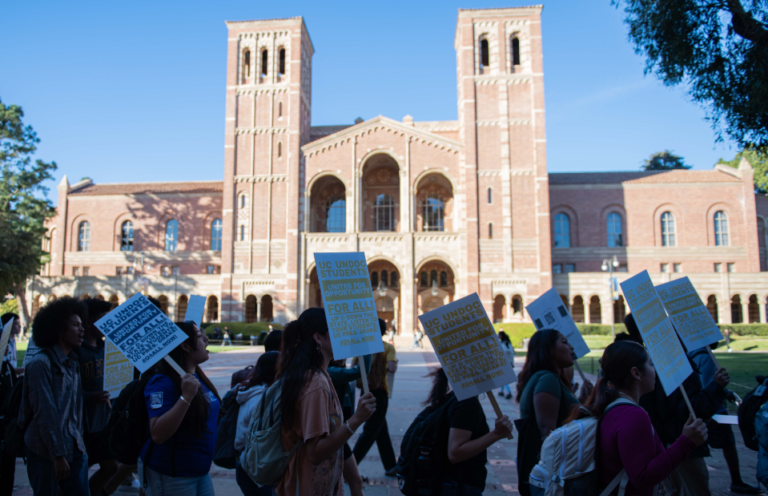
264 458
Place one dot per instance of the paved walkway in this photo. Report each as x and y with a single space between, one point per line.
410 389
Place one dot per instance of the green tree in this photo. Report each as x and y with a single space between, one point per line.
718 49
758 159
665 160
24 205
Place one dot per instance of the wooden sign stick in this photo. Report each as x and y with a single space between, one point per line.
581 373
175 365
496 408
717 364
363 374
687 401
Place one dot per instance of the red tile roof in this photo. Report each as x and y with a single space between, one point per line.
654 177
150 188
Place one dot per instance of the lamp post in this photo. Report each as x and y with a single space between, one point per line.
139 263
608 266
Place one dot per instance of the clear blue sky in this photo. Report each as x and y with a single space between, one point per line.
134 91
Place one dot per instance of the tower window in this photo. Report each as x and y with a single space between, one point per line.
216 235
280 110
171 235
126 236
484 53
282 61
668 229
279 149
490 196
84 237
490 230
246 64
264 60
242 232
515 51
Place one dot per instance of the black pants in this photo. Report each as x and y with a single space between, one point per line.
375 430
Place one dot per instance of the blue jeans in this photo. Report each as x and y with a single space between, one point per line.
505 389
42 476
161 485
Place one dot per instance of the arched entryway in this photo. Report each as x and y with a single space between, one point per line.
619 310
736 315
212 309
754 310
577 309
181 307
380 198
595 310
163 303
436 285
328 206
499 309
434 203
266 309
712 307
518 308
250 309
385 281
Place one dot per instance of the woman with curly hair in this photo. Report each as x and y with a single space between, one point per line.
52 402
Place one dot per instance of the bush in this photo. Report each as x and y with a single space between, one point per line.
600 329
518 331
745 329
235 328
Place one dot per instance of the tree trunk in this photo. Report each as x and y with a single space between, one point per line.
21 301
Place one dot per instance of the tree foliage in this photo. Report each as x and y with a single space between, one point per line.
758 159
665 160
24 205
718 48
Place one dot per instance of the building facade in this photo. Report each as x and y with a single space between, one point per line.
441 209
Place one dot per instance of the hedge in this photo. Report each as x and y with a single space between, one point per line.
745 329
518 331
235 328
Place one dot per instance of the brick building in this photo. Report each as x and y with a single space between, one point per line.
441 208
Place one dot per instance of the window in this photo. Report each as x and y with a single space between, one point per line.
664 267
557 269
241 233
281 71
336 214
562 231
279 149
677 267
243 201
423 279
84 237
86 271
484 54
443 279
432 277
515 51
623 268
731 267
384 213
118 271
264 60
246 64
75 271
490 230
165 270
385 277
718 267
171 235
129 270
213 269
614 230
490 197
374 280
216 235
721 229
433 212
175 270
126 236
570 268
393 279
667 229
280 110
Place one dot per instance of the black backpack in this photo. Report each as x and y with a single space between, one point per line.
129 422
424 451
224 455
748 411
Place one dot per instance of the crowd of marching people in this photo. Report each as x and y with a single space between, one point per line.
285 424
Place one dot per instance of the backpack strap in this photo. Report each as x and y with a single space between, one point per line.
621 478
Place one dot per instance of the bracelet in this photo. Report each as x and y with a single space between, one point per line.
185 401
346 424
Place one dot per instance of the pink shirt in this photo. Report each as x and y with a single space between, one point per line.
627 440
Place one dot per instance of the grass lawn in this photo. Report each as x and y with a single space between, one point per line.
21 351
218 348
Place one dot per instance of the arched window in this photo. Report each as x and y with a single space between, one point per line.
484 54
126 236
490 196
279 149
282 61
336 214
246 64
279 110
721 229
562 231
423 279
243 202
216 235
667 229
433 213
171 235
84 237
432 277
443 279
515 51
614 230
393 279
490 230
242 232
384 212
385 277
264 60
374 279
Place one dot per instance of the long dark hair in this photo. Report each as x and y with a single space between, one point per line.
539 357
504 338
439 389
263 372
618 360
300 358
200 408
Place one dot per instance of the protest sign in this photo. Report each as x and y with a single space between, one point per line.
691 319
118 370
5 338
195 309
549 312
142 332
669 359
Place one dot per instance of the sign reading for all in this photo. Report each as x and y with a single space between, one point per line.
141 331
349 306
468 347
661 342
118 370
692 320
549 312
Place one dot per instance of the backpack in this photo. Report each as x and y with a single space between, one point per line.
568 459
748 411
264 458
424 451
378 373
127 428
224 455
